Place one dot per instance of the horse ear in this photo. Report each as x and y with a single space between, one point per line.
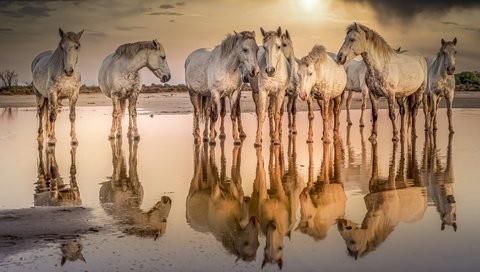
279 31
263 31
79 34
81 258
455 41
62 262
287 34
442 227
60 31
280 264
253 33
297 60
454 225
357 28
355 254
443 42
155 43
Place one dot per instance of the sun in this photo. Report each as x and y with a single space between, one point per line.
308 4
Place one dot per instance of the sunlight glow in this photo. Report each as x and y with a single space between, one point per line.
308 5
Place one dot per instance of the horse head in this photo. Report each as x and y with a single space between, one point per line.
70 47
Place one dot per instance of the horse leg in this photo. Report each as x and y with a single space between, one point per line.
289 113
310 119
207 108
262 101
294 114
433 111
349 104
415 101
223 112
115 116
278 117
364 105
41 111
391 113
233 114
73 133
132 112
374 103
216 104
326 115
426 111
271 116
336 110
243 135
53 106
401 105
449 99
196 100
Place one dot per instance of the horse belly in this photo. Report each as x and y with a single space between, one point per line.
411 76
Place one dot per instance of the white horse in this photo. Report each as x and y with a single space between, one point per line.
356 84
323 79
272 81
119 79
55 77
211 75
392 200
439 179
291 93
323 202
389 74
441 83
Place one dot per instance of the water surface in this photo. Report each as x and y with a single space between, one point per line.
348 205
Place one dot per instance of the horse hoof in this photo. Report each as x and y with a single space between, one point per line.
309 141
294 132
212 143
222 136
243 135
136 137
349 123
395 139
52 143
205 139
452 131
257 144
327 141
237 142
361 125
372 137
74 142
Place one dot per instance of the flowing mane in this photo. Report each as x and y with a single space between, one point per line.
317 55
380 46
229 43
129 50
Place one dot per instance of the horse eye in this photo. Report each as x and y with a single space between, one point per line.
245 50
76 47
163 57
348 228
284 44
246 243
278 46
280 248
352 39
310 74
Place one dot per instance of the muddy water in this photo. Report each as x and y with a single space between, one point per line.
165 204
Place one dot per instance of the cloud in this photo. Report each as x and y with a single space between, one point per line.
407 10
94 33
35 11
129 28
180 4
168 13
461 26
172 21
167 6
5 30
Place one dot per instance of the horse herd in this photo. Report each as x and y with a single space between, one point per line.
273 72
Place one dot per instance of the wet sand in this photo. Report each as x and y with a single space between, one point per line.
179 103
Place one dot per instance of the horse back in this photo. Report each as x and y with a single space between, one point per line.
409 73
196 66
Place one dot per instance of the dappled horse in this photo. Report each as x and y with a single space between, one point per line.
439 179
272 82
323 79
50 188
322 202
400 197
119 79
55 77
216 203
441 83
212 75
291 92
392 75
122 196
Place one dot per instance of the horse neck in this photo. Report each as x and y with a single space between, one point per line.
438 66
231 62
373 60
134 64
56 61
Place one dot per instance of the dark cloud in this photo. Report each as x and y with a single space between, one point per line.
94 33
129 28
461 26
167 6
180 4
171 13
5 30
406 10
35 11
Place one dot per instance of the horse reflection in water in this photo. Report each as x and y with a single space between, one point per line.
122 196
71 251
50 189
323 202
216 204
439 180
276 207
401 197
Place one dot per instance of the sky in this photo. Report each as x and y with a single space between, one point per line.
29 27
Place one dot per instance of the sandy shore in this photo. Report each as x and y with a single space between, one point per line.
179 103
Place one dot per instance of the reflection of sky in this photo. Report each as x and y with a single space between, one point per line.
29 27
165 166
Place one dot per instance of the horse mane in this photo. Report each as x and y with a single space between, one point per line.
317 55
229 43
380 46
129 50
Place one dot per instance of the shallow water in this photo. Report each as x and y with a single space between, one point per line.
385 202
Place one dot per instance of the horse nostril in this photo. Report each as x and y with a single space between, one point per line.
165 78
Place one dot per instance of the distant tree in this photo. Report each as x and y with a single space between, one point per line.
9 78
470 78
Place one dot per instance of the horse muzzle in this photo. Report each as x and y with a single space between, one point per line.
341 58
451 70
165 78
69 72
